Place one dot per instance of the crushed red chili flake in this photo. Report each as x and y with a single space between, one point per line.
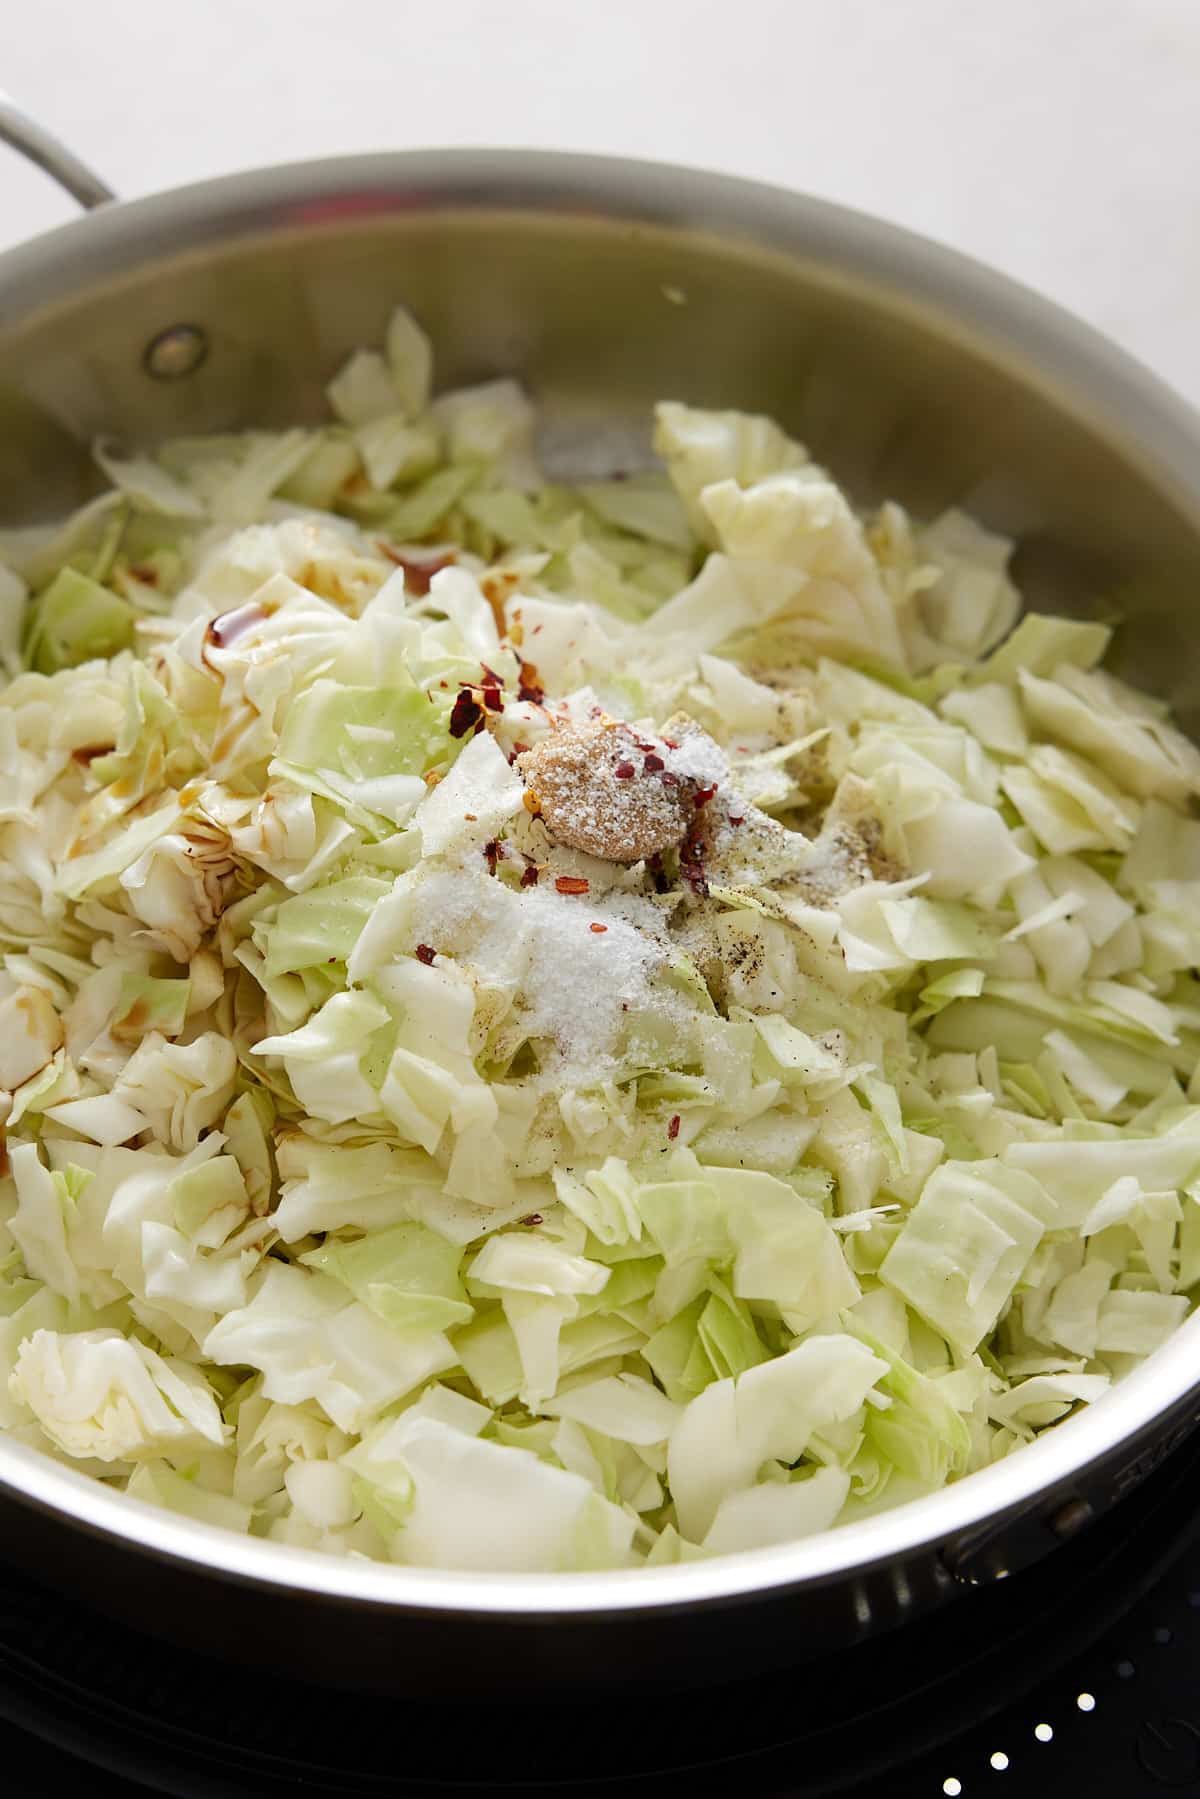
493 852
670 743
530 687
653 764
703 795
471 817
466 713
736 821
624 771
496 588
147 576
492 698
571 883
598 928
530 876
673 1128
670 779
692 870
425 954
532 1218
418 570
691 860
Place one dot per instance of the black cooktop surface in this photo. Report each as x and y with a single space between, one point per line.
1079 1675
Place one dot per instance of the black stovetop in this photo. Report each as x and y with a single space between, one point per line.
1079 1675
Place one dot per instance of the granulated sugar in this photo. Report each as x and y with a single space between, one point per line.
577 987
582 987
693 755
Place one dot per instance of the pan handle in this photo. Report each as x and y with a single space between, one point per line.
40 146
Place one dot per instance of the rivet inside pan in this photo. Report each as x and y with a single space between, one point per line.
175 352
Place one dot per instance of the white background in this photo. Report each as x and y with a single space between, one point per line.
1057 139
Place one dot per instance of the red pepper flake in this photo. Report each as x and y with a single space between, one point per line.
496 588
490 691
492 854
418 570
670 743
466 714
530 876
704 794
691 861
624 771
532 1218
571 883
598 928
736 821
670 779
471 817
530 685
425 954
653 764
673 1128
143 573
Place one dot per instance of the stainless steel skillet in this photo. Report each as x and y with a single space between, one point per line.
605 284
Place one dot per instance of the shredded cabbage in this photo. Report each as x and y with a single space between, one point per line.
550 1027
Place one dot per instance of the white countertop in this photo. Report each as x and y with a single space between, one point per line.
1056 139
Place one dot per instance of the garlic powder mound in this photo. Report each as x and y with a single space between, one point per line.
622 794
